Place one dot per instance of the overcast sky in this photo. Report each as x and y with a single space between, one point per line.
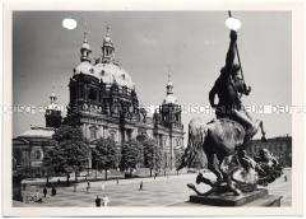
193 44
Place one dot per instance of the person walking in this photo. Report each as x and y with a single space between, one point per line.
45 191
98 201
75 187
103 187
141 186
105 200
53 191
37 195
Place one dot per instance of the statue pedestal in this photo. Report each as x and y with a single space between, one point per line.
259 197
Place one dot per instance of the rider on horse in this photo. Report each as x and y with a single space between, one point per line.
229 88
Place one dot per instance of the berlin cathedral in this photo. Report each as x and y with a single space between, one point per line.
104 103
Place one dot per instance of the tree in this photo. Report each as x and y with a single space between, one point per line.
178 157
131 155
105 154
71 152
152 155
50 163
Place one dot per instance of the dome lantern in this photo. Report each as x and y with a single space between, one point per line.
53 113
85 66
169 85
170 98
85 50
108 48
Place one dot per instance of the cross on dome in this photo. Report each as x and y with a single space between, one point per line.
85 37
107 38
85 49
108 29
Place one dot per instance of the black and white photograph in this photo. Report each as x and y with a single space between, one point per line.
153 108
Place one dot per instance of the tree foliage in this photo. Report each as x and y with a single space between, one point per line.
178 157
71 152
106 154
131 155
50 162
152 155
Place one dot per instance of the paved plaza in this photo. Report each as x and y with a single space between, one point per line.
163 191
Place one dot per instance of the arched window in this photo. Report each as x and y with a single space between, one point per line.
93 132
177 117
113 135
92 94
36 154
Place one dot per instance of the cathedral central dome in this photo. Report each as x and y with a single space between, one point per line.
111 73
106 69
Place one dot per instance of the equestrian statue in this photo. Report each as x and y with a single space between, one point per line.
225 138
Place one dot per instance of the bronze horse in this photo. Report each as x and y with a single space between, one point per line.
219 139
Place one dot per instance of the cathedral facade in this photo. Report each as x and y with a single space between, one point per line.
104 103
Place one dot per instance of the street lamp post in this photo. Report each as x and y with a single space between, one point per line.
235 24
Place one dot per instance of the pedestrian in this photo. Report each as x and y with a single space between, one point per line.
58 181
88 184
105 200
45 191
141 186
53 191
74 187
37 196
285 178
68 179
98 201
103 187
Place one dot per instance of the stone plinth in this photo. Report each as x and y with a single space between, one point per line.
228 199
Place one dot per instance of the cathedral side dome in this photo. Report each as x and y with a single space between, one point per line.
53 104
170 99
84 68
86 46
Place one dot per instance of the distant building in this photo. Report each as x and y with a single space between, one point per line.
30 146
104 103
281 147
